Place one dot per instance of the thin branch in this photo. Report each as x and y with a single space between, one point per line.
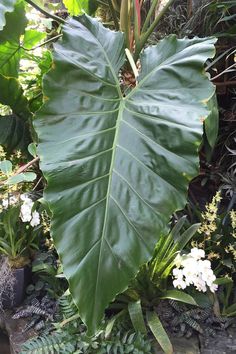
224 72
42 44
67 320
44 12
23 168
26 166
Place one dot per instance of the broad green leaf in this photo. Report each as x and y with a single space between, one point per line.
33 37
10 41
179 295
14 132
159 332
5 6
117 166
6 167
136 316
15 128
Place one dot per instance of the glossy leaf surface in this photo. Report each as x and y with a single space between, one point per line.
117 167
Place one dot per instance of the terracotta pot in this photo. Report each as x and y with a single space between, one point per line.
22 279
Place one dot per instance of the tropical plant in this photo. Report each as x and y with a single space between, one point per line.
18 216
122 160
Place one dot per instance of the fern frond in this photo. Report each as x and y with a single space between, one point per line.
55 343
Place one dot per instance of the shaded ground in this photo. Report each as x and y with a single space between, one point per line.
4 344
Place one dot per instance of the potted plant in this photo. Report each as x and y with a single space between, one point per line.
19 230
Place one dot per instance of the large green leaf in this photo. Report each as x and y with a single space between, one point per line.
14 128
117 167
5 6
10 41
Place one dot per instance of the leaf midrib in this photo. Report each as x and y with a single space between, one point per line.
119 118
118 121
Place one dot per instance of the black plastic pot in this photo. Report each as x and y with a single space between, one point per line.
22 279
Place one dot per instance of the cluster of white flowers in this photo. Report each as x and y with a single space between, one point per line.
9 201
26 213
192 270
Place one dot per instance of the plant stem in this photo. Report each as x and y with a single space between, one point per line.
42 44
145 36
67 320
23 168
114 16
224 72
149 15
47 14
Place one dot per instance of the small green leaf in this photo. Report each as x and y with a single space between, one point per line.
22 177
178 295
212 121
29 176
136 316
159 332
15 179
77 7
33 37
6 167
32 148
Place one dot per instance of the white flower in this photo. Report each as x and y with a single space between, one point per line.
213 288
192 270
5 203
25 214
177 272
197 253
35 219
27 200
26 208
9 201
179 283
